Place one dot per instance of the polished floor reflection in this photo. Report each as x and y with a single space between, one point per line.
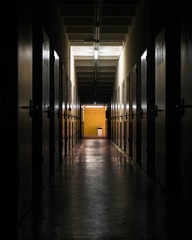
98 193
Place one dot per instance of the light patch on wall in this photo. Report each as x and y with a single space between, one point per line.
120 76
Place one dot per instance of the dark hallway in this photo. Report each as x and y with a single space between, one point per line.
98 193
96 119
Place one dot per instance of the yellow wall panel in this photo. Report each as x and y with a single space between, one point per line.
94 118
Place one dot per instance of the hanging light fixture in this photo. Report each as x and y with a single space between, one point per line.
97 28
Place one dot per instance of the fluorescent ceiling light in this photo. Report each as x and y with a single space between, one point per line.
103 51
94 106
96 53
82 50
110 50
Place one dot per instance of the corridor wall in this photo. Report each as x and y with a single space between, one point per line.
145 105
59 105
44 118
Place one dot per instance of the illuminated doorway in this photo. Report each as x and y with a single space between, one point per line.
94 121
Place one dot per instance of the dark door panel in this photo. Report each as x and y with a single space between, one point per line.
134 111
45 107
63 110
128 117
143 112
25 109
122 114
56 111
186 109
160 108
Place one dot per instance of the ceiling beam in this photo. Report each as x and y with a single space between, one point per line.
113 37
83 37
106 69
120 2
84 63
79 29
118 10
78 10
98 79
84 69
78 21
107 63
72 2
106 74
116 21
113 29
99 84
83 75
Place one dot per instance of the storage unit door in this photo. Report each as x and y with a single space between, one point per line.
186 109
118 118
122 114
25 108
143 112
128 122
56 111
134 111
120 144
67 118
115 122
45 107
125 117
160 108
112 120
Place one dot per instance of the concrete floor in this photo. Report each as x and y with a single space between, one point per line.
98 193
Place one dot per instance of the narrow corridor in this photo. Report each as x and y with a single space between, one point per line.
98 193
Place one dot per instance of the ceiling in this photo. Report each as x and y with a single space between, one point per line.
102 25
